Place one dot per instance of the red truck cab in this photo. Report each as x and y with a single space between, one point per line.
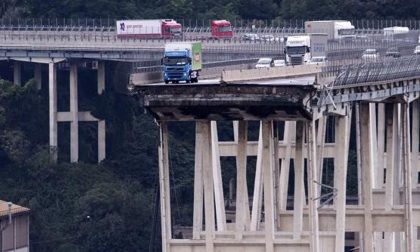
171 29
221 29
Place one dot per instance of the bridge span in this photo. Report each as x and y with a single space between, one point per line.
379 101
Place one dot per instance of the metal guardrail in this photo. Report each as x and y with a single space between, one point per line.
141 67
383 70
259 25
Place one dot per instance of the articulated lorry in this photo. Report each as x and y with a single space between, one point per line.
149 28
335 29
298 49
182 62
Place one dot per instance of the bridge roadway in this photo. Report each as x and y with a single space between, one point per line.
384 98
108 47
105 45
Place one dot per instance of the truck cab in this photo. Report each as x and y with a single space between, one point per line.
171 29
221 29
298 50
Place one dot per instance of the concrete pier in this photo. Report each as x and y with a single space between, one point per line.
386 217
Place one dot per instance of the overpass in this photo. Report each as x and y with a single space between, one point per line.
380 99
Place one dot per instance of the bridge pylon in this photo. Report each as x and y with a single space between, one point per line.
328 178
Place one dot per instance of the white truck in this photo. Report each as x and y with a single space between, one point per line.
335 29
149 28
391 31
298 49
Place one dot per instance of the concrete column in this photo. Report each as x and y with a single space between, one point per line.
415 156
415 144
376 183
52 88
242 212
74 110
381 145
198 182
367 157
165 193
17 73
313 191
217 180
268 174
359 160
208 186
342 134
299 192
399 177
392 151
289 136
235 131
322 124
101 123
38 76
257 195
360 193
406 167
276 171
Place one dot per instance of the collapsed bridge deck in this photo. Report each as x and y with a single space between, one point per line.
227 101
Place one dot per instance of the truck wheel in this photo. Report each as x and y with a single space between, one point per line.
166 82
188 81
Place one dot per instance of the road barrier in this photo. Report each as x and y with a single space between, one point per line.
269 73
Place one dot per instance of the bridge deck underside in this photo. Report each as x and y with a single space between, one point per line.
226 102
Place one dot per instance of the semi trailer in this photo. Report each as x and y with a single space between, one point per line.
149 28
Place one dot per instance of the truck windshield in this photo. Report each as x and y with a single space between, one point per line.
170 61
296 50
175 29
226 28
346 32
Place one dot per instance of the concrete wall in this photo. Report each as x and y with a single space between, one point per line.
207 73
269 73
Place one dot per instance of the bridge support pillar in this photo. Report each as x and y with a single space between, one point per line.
242 208
406 165
268 177
258 183
165 196
289 135
342 135
366 155
17 73
415 143
313 192
101 123
299 191
217 179
74 110
38 76
52 89
322 125
392 166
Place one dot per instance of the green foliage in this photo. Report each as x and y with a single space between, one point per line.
79 207
205 10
